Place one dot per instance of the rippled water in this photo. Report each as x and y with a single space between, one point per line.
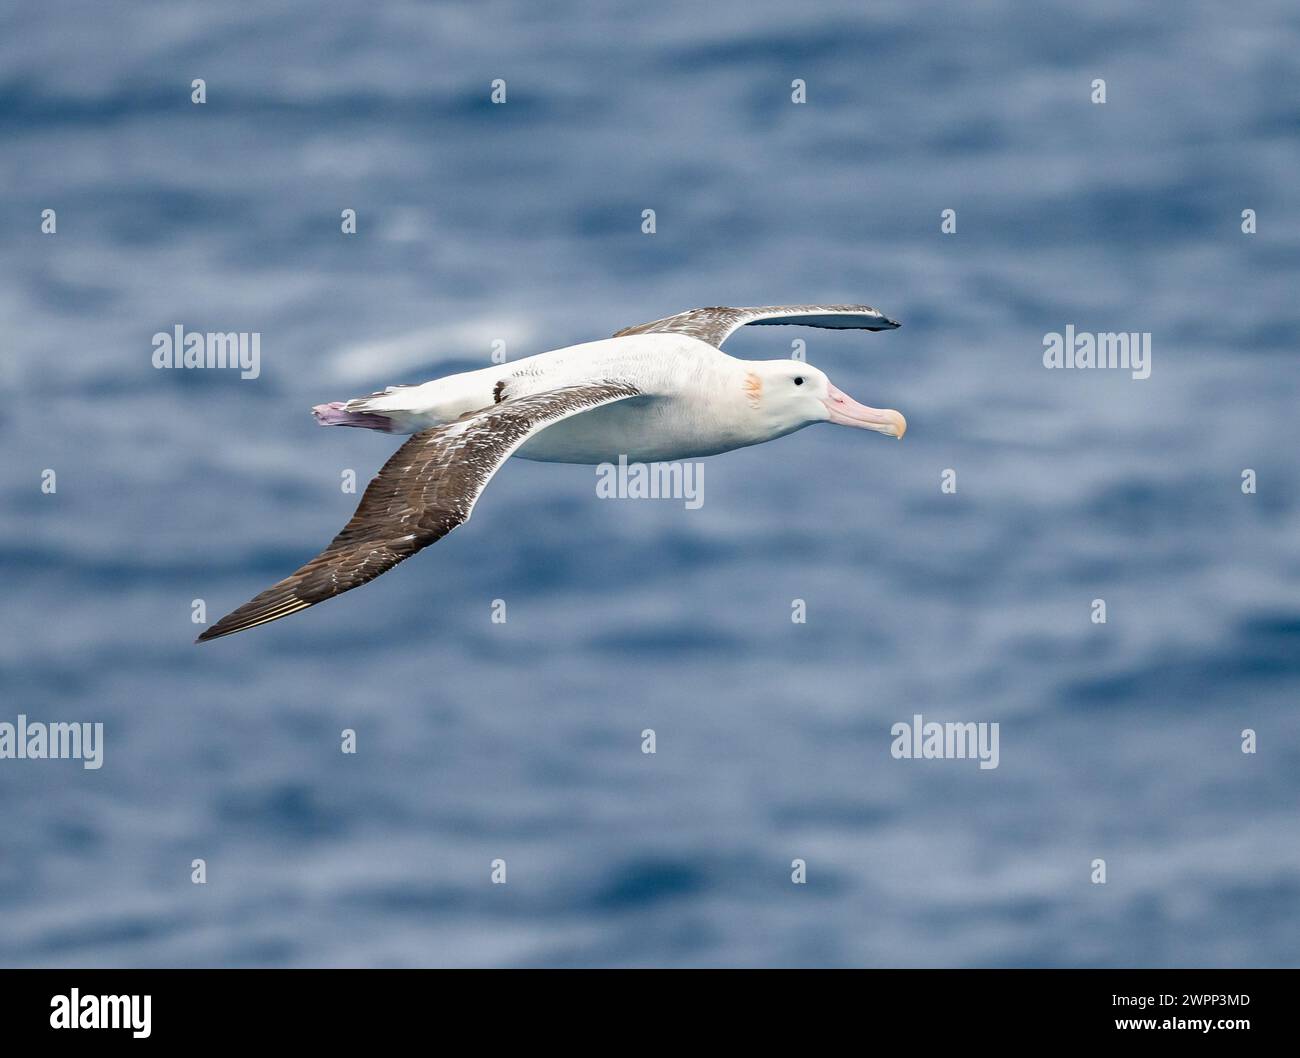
522 741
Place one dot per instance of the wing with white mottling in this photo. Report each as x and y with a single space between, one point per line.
423 492
715 325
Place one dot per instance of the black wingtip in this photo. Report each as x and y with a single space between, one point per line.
233 622
271 605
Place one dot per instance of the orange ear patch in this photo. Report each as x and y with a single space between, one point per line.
753 389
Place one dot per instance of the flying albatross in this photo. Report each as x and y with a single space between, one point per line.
654 392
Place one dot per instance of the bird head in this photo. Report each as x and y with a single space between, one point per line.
791 394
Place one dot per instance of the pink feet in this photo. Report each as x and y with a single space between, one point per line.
335 414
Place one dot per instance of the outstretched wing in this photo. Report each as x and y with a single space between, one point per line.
423 492
715 325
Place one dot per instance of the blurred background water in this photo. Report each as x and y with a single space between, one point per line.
522 741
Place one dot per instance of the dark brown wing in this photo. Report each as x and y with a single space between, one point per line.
715 325
423 492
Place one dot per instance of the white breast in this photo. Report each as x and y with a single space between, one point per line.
693 404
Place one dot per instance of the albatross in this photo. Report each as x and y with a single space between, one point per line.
658 391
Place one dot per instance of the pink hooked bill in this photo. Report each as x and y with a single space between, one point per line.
848 412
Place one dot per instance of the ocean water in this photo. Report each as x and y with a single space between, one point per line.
521 741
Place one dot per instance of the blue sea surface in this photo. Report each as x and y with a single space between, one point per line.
522 741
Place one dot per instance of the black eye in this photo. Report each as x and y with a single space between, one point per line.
798 380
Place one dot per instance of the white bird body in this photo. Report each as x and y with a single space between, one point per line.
655 392
694 400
